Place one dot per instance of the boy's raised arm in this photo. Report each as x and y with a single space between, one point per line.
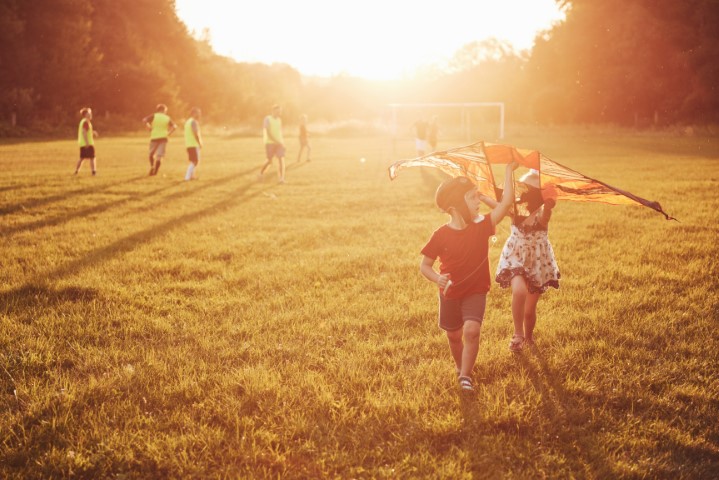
498 213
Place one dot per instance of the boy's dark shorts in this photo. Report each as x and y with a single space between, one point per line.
453 312
274 150
87 152
192 155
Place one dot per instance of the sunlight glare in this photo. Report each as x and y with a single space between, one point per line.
372 39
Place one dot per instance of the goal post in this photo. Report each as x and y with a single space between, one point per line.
464 109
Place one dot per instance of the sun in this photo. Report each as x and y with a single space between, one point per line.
372 39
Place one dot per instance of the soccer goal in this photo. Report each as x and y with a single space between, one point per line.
468 114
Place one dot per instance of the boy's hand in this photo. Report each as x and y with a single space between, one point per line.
442 281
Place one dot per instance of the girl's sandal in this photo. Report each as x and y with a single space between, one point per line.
465 383
516 344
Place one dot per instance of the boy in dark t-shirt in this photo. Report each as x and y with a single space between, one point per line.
463 278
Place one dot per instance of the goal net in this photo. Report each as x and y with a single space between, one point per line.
457 122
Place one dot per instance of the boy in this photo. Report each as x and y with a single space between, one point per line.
463 278
193 142
160 126
274 143
85 138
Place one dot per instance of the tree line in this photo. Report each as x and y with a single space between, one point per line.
629 62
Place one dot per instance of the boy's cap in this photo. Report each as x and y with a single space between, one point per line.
451 192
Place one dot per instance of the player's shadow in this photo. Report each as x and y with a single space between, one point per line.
129 243
41 201
101 208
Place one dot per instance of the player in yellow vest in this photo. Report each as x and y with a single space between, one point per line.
274 143
161 127
86 140
193 142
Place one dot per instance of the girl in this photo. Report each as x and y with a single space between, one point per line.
527 262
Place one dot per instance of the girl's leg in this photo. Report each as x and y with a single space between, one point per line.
456 347
92 165
79 164
519 297
471 333
530 315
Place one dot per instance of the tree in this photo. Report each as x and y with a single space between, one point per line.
634 62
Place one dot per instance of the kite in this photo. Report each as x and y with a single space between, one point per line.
475 162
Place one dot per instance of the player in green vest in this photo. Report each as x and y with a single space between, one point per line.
86 140
274 143
161 127
193 142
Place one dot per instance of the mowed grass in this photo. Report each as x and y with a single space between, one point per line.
230 328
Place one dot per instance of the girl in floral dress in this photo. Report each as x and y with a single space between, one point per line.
527 262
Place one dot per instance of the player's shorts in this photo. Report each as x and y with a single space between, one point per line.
158 147
274 150
87 152
420 145
453 312
193 154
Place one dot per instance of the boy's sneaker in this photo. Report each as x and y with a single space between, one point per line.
465 383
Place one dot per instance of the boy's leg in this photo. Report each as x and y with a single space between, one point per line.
281 169
153 149
267 164
472 315
471 332
456 347
158 162
92 165
79 164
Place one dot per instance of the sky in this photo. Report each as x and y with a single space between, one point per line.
374 39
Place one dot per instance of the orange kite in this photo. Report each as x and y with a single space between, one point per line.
475 162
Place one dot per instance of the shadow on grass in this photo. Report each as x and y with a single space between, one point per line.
572 423
37 202
101 208
128 243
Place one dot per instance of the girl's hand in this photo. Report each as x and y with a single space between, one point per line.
549 194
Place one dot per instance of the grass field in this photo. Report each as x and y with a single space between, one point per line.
230 328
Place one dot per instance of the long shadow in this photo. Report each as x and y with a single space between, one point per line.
571 418
37 202
128 243
66 217
8 188
63 218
